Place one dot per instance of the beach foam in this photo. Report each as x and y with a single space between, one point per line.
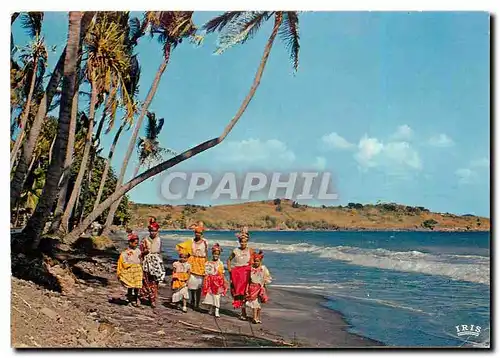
469 268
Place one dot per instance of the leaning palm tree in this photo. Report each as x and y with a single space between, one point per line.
34 57
284 23
37 221
106 67
171 27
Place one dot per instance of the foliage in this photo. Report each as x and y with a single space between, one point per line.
429 224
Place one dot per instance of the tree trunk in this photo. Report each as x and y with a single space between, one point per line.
93 154
108 164
83 165
28 149
24 118
68 161
133 139
72 236
36 127
37 221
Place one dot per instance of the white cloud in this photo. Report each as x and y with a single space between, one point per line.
333 140
320 163
404 132
441 141
465 175
480 163
392 156
368 151
257 151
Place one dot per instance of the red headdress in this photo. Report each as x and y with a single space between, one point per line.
153 225
216 247
198 229
132 236
258 255
243 234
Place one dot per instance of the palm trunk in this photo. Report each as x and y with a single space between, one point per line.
24 118
133 139
72 236
28 149
68 160
29 146
93 154
83 165
107 166
37 221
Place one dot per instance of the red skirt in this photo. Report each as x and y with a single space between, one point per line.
257 291
214 284
240 277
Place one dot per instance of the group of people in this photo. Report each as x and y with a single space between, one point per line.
195 275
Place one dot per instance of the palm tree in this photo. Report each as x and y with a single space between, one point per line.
171 27
34 58
149 150
132 87
107 64
288 30
56 77
37 221
135 30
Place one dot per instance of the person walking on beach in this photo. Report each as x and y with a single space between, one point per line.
129 269
239 271
152 264
180 277
214 284
259 278
197 248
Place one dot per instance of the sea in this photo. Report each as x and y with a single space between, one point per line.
404 289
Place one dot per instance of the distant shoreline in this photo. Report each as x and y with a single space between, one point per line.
287 215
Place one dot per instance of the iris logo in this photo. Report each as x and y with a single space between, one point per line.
468 330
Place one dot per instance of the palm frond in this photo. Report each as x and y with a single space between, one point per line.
289 34
32 23
219 23
241 30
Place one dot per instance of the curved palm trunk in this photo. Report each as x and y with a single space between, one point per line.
37 221
83 165
133 139
24 118
68 160
29 146
107 166
72 236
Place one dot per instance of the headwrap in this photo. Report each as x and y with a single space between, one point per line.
153 226
258 255
243 234
132 236
216 247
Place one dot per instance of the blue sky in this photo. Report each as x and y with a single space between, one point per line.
395 105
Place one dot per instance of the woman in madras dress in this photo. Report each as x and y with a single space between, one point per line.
239 266
129 269
152 264
197 249
214 284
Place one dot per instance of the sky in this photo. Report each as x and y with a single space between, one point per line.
395 105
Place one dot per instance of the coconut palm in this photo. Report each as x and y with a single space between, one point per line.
106 67
34 58
285 24
149 150
37 221
51 89
171 28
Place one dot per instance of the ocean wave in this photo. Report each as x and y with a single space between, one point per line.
469 268
384 303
